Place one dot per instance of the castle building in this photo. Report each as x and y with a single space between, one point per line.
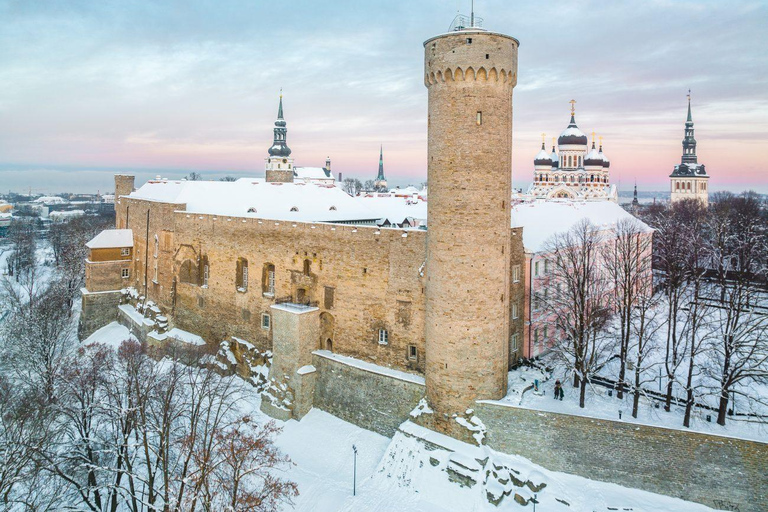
381 181
574 171
689 180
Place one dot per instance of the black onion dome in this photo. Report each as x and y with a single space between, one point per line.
572 135
542 158
593 158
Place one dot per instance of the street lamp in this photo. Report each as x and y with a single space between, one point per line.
534 501
354 471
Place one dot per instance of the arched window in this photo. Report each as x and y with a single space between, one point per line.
188 272
241 275
268 279
569 161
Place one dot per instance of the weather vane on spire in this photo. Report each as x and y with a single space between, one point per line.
281 93
689 95
573 106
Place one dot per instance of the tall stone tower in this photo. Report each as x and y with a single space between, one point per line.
469 73
689 180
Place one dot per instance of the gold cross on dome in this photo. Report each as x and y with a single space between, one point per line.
593 137
573 106
543 137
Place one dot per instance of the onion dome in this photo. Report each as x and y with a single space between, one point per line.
572 136
542 158
593 158
606 162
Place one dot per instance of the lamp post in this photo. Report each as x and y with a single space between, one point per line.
534 501
354 471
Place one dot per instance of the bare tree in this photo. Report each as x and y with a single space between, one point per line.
21 235
739 252
352 186
228 178
627 258
578 305
194 176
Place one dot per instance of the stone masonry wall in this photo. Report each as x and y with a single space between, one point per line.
721 472
373 277
369 400
99 309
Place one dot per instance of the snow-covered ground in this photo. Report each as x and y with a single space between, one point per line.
599 405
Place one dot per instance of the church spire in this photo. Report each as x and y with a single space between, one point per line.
279 146
380 176
689 142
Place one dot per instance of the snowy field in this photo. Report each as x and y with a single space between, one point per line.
599 405
400 474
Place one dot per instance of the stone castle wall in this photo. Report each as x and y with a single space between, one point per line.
370 400
720 472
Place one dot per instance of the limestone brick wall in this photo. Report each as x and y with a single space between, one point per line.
98 310
516 296
469 76
373 276
105 275
151 221
279 176
124 184
720 472
367 399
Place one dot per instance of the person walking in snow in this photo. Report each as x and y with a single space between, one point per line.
559 390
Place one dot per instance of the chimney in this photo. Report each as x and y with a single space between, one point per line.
328 163
340 177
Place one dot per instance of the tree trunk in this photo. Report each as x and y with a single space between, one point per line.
582 392
722 408
636 397
622 374
668 399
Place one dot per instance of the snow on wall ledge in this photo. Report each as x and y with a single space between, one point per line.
367 395
719 472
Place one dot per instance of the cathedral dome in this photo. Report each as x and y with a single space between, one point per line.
279 149
542 158
572 136
553 157
593 158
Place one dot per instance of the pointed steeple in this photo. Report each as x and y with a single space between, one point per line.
635 202
689 142
380 176
279 146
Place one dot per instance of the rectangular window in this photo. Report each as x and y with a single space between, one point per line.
546 266
513 343
271 281
126 273
536 335
125 251
469 40
155 279
514 311
383 337
265 320
516 274
479 119
412 353
545 332
205 275
245 277
536 269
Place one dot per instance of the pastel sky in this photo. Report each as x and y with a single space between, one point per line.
88 88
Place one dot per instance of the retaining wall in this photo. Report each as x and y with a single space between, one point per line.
370 400
720 472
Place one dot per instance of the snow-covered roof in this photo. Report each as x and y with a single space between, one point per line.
112 238
50 200
312 173
254 197
541 220
395 209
